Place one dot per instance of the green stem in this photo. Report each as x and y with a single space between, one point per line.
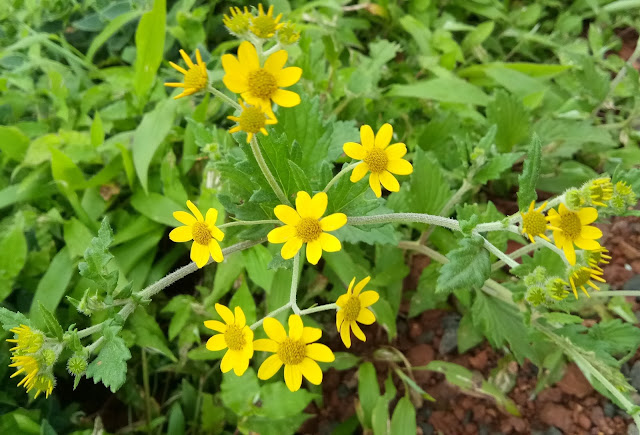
295 273
554 248
255 148
633 293
516 254
440 221
240 223
498 253
344 170
224 97
425 250
446 209
271 314
319 308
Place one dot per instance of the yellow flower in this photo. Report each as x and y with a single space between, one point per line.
260 85
288 34
571 227
303 225
556 287
264 25
252 120
379 158
534 223
26 339
601 190
202 231
583 275
33 377
235 335
239 22
195 79
353 307
297 352
596 257
42 382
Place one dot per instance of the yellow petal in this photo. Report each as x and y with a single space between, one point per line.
358 332
354 150
361 285
217 342
281 234
241 320
303 204
329 242
215 251
311 370
366 317
570 253
587 244
345 333
289 76
318 205
339 319
366 137
295 327
215 325
269 367
178 68
248 56
199 254
396 151
383 138
374 183
187 59
314 251
285 98
353 281
274 329
181 234
225 313
211 217
195 211
563 208
265 345
319 352
292 377
342 300
389 181
184 217
309 334
241 364
399 167
587 215
368 298
198 57
227 362
291 248
175 85
588 232
287 214
216 232
276 62
236 84
359 172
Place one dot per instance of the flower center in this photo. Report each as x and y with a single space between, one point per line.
377 160
557 289
352 309
534 223
308 229
201 233
194 79
570 225
234 338
252 119
262 83
581 277
43 382
263 26
292 352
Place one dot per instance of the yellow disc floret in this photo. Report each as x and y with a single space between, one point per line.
572 227
26 340
308 229
239 22
265 25
234 337
292 352
534 222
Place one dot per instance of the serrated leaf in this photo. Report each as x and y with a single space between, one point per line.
495 167
51 323
97 257
511 117
110 366
11 319
468 266
13 256
528 180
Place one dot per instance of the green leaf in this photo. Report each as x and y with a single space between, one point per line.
448 90
279 402
110 366
10 319
65 172
256 261
51 323
468 335
426 297
368 391
344 361
77 237
13 255
511 117
97 131
109 30
495 167
150 134
238 392
380 417
53 284
528 180
478 35
176 424
244 299
157 207
403 421
615 336
562 318
468 267
148 333
97 257
150 36
13 143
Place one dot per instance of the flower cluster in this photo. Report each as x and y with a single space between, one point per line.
33 358
262 26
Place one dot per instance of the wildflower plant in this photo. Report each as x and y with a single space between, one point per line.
310 219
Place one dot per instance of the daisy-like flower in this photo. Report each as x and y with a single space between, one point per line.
34 378
202 231
297 352
44 382
259 85
378 158
582 276
264 25
353 308
601 190
571 227
252 120
239 21
303 225
534 222
195 78
597 256
235 335
26 340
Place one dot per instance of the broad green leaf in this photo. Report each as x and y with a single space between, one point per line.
150 36
386 316
368 391
110 366
238 392
11 319
109 30
150 134
65 172
468 266
157 207
279 402
509 114
426 297
244 299
176 424
54 282
447 90
528 180
148 333
380 422
495 167
344 361
77 237
478 35
97 257
226 274
13 142
403 421
13 255
256 261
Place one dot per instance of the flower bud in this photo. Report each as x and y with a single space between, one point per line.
77 364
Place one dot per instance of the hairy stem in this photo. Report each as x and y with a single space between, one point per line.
255 148
446 209
516 254
295 273
498 253
344 170
241 223
440 221
223 97
271 314
319 308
